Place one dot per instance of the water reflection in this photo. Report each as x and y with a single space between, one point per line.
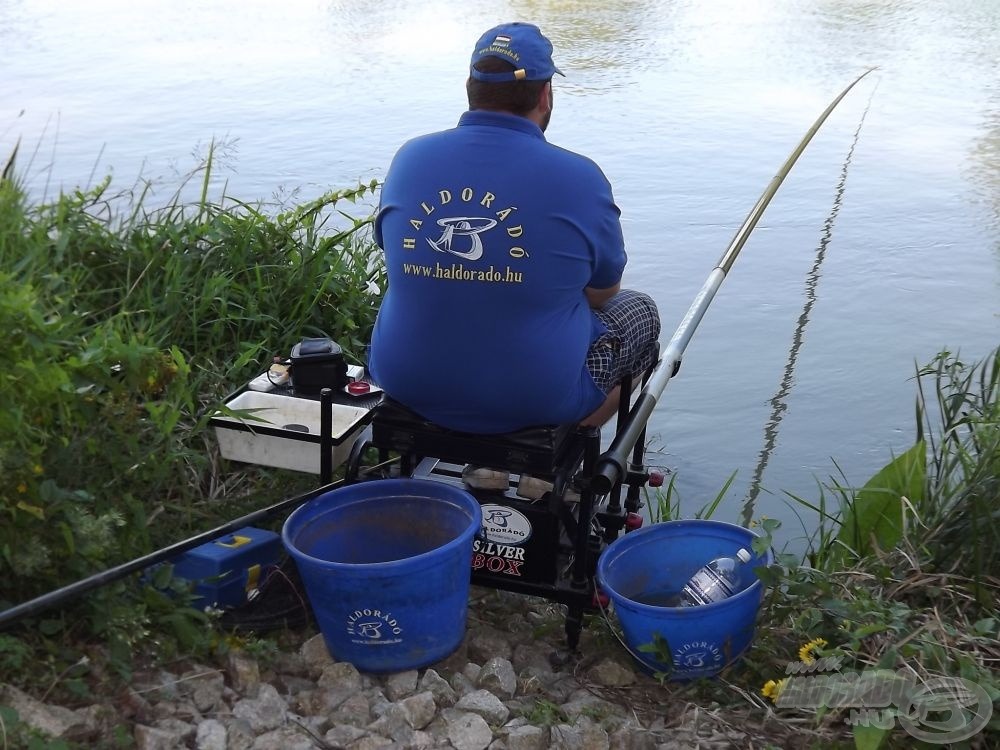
778 401
984 166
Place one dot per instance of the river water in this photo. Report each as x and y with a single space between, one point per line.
881 248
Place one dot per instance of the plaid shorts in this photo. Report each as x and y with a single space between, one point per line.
631 344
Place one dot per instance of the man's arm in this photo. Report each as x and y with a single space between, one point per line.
597 297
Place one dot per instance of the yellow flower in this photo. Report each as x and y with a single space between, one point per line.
22 488
806 652
773 689
37 469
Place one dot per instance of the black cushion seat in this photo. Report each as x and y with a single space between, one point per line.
534 450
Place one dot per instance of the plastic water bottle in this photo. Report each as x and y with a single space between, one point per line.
714 582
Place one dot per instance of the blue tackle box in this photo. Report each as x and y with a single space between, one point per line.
224 571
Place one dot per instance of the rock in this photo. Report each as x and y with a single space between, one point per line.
177 727
292 685
309 702
355 711
211 735
244 673
583 703
497 676
584 735
471 672
372 742
486 643
285 738
486 705
419 709
54 721
461 684
99 718
265 712
204 687
469 732
152 738
401 684
611 673
341 676
528 737
342 735
632 738
531 655
315 655
444 694
291 664
393 723
239 735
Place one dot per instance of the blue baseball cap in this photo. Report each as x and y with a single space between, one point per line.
521 44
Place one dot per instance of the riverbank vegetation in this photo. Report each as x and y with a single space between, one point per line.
898 586
126 323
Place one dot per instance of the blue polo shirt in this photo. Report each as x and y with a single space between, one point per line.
490 235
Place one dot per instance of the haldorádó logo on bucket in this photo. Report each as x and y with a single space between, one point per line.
373 627
505 525
698 659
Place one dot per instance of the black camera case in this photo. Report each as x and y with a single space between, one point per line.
317 363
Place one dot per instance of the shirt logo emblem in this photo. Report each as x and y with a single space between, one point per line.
462 226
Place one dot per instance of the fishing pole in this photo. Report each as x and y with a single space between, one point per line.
51 599
611 466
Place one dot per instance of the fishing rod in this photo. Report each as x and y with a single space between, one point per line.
612 465
52 598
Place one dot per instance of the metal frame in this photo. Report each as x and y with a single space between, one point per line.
575 534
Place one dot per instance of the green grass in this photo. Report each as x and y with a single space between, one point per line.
124 325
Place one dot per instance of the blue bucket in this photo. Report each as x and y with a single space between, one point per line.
386 567
651 565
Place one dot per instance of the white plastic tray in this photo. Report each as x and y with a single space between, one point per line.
273 435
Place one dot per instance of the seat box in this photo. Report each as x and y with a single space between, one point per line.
223 571
283 431
519 542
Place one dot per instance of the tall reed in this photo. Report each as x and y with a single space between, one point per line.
960 513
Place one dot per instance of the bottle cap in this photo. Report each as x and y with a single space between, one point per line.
743 555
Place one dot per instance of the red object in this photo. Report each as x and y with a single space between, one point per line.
655 479
358 387
633 521
601 600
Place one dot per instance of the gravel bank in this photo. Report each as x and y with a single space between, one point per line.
510 685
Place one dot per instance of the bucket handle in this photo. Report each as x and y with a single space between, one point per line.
599 598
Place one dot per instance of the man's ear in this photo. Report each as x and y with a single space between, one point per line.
544 103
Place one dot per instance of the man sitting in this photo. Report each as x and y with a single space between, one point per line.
505 256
